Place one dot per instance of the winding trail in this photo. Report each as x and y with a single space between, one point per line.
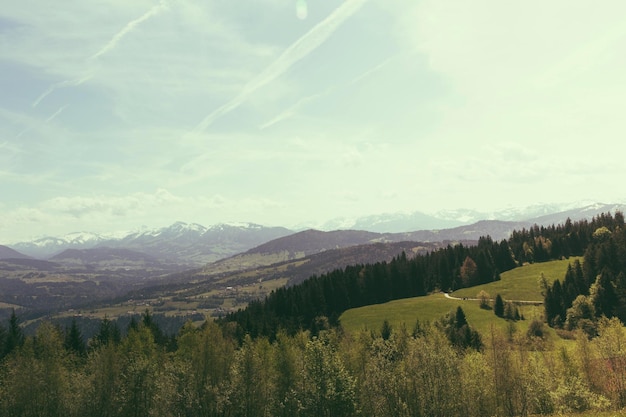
536 303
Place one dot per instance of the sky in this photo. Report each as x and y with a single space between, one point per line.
121 114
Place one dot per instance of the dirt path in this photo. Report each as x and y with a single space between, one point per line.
536 303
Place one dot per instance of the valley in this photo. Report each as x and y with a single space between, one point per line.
351 308
191 269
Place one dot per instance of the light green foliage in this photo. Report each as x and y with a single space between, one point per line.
434 388
384 393
36 378
478 385
252 385
581 309
334 374
484 299
329 390
611 347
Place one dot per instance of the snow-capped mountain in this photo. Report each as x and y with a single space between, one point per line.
542 214
48 246
194 245
185 243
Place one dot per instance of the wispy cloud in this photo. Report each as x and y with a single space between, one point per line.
291 111
130 26
67 83
108 47
39 124
56 113
294 53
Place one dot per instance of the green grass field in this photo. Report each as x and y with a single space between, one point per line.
430 308
519 284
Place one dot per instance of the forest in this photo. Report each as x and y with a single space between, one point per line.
288 355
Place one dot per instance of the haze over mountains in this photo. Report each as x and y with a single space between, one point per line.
196 245
190 259
190 244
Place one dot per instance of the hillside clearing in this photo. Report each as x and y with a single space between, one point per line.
518 284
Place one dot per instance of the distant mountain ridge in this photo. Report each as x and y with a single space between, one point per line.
194 245
542 214
183 243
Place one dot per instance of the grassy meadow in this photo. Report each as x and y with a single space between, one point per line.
519 284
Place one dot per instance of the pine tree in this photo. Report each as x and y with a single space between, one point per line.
74 341
459 318
386 330
109 332
15 336
498 306
603 296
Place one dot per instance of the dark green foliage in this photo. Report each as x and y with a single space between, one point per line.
511 312
385 330
459 332
3 338
109 332
535 329
603 297
460 320
601 276
74 341
14 337
498 306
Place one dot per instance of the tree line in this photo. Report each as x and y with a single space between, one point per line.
597 287
319 301
428 371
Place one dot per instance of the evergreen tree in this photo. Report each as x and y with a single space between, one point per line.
603 296
498 306
460 319
386 330
3 338
74 341
15 336
108 332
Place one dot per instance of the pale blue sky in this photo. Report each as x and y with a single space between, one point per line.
119 114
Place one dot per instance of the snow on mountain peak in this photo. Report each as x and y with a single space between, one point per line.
82 237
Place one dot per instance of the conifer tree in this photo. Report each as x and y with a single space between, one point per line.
498 306
74 340
15 336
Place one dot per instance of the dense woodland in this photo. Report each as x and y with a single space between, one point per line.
288 356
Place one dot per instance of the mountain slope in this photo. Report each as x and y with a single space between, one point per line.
185 244
8 253
104 257
313 241
195 245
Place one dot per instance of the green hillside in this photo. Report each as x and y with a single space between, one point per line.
518 284
521 283
430 308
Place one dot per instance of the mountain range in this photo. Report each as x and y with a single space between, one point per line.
194 245
182 243
190 259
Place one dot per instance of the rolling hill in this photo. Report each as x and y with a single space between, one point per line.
8 253
518 284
